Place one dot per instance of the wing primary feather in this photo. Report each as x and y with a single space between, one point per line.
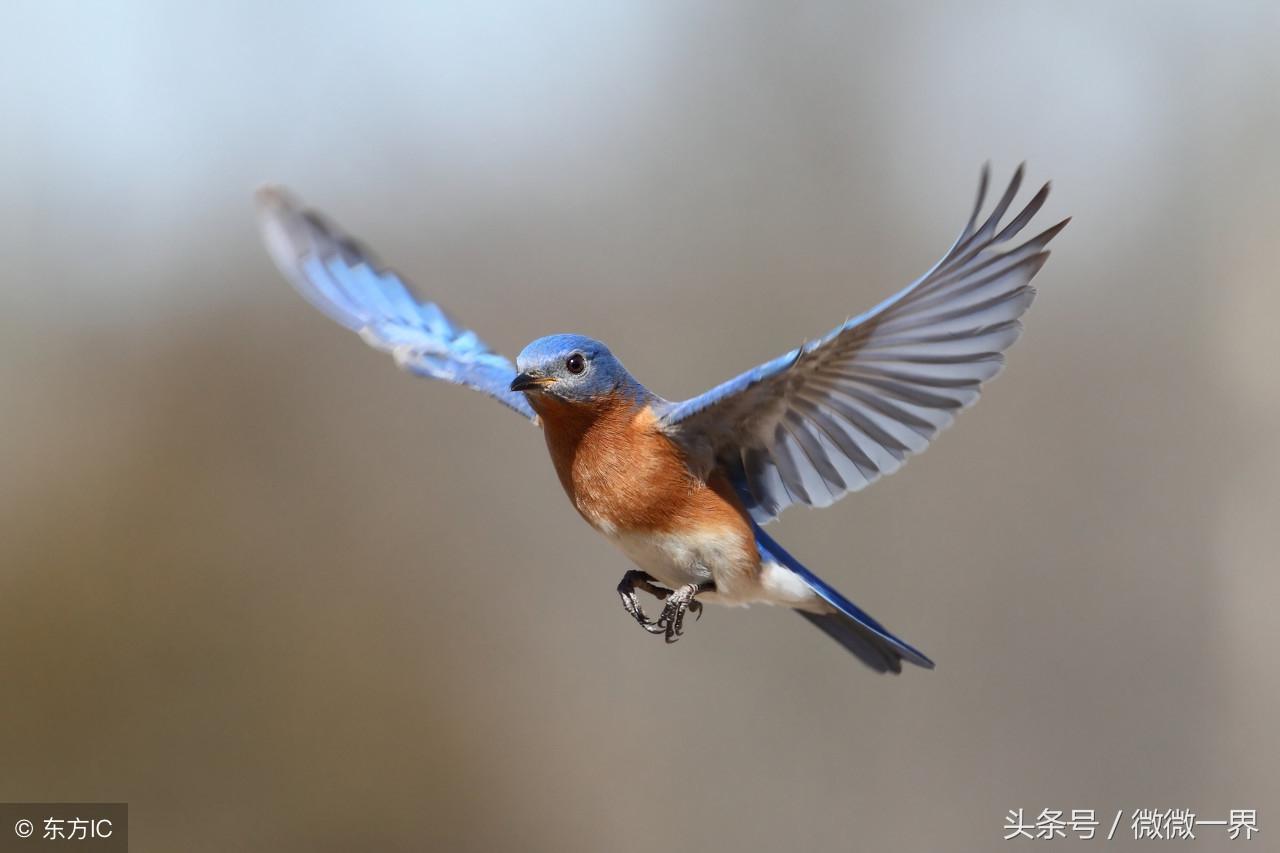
1015 184
890 409
989 224
966 383
846 408
789 473
974 276
848 444
814 453
942 359
981 239
343 279
997 329
891 443
841 404
1023 295
984 180
1020 221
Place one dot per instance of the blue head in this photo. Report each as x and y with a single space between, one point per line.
573 368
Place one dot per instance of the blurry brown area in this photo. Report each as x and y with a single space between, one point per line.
277 595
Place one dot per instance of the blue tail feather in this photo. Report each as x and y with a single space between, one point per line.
850 626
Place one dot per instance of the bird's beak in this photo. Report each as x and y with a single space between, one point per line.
528 382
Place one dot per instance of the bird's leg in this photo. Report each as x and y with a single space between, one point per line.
627 592
678 602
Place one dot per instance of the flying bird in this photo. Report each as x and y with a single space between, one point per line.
684 488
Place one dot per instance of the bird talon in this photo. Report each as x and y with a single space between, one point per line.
631 602
632 605
679 602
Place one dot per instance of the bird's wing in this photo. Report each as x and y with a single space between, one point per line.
345 281
838 413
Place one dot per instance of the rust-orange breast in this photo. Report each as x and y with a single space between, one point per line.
624 475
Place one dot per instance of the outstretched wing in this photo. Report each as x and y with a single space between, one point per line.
840 412
346 282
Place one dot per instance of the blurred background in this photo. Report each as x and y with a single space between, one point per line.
278 595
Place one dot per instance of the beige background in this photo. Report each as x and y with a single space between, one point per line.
279 596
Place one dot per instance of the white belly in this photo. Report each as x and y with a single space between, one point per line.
676 559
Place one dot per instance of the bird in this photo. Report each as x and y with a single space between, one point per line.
685 488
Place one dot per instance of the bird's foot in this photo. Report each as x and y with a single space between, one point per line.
627 592
670 624
679 602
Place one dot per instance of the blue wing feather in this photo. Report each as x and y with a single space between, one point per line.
677 412
838 413
343 280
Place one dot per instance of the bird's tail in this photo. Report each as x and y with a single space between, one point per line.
848 625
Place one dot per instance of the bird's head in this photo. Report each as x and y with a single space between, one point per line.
571 368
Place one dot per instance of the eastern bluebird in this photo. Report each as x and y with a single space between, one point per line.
684 488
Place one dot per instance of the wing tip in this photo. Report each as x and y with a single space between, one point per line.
274 201
269 192
282 221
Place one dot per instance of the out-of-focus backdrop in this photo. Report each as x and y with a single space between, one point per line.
279 596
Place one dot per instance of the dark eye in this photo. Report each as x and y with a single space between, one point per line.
574 364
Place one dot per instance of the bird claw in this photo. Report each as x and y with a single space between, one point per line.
631 602
678 602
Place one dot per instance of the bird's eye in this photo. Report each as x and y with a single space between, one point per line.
574 364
